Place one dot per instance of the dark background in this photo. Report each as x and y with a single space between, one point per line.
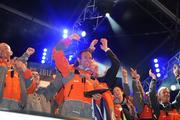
141 38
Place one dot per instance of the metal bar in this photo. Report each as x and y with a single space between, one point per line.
166 11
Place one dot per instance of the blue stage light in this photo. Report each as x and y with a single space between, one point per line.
42 61
156 65
44 54
83 33
43 57
65 31
158 75
155 60
157 70
65 35
45 50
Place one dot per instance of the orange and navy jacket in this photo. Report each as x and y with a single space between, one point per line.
14 85
75 83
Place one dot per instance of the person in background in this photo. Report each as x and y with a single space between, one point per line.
124 108
163 108
140 98
37 103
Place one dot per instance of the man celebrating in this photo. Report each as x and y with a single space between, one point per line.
163 109
77 80
14 76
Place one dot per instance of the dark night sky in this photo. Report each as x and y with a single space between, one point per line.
133 45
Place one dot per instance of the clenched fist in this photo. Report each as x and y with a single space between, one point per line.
30 51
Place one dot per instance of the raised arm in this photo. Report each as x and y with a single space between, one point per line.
138 91
53 87
110 76
152 94
25 57
177 76
125 81
58 54
26 74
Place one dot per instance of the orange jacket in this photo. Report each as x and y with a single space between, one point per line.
12 88
75 87
170 115
146 113
118 111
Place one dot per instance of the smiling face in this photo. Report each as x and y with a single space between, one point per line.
94 68
118 93
164 95
85 59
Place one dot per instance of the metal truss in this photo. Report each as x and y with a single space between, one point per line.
174 60
90 12
161 14
168 67
167 20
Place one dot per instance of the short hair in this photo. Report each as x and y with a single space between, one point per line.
85 50
162 88
76 63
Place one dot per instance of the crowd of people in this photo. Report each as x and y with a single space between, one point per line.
77 92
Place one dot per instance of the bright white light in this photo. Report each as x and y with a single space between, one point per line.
157 70
156 65
155 60
65 31
83 34
107 15
44 54
173 87
70 57
158 75
45 50
43 57
42 61
65 35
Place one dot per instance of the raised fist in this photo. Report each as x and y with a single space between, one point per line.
30 51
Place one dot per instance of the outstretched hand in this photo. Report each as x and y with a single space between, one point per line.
124 72
93 43
151 74
124 75
134 74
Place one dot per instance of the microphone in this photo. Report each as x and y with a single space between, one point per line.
12 72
